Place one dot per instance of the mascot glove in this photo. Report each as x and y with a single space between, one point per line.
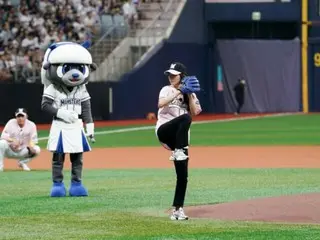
90 129
67 116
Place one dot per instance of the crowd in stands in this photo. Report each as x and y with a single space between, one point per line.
28 28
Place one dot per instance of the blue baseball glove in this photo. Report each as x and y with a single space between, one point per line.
190 84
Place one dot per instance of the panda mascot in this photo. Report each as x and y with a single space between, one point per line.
65 71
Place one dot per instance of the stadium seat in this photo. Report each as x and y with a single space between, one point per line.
106 23
119 20
121 25
15 2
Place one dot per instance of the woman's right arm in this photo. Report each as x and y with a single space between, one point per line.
166 97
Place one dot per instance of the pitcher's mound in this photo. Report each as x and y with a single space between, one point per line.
291 209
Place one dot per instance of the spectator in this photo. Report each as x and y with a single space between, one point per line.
62 19
42 42
19 58
37 58
4 72
86 8
29 41
82 34
26 30
27 59
61 35
9 63
77 24
50 37
37 20
43 5
15 29
5 34
113 7
129 12
90 22
24 17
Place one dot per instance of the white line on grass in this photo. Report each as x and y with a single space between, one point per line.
133 129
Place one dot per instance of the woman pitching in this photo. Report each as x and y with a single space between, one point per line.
177 102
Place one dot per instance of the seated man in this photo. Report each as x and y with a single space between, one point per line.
18 140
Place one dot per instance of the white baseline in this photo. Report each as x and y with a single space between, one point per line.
133 129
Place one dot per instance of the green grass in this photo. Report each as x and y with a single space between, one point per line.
286 130
131 204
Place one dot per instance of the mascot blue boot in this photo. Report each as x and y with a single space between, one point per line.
77 190
58 190
65 72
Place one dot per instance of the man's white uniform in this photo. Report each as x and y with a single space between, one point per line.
17 149
67 137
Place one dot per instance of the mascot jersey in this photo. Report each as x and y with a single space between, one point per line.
64 99
68 137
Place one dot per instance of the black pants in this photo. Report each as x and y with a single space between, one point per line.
76 166
240 102
175 135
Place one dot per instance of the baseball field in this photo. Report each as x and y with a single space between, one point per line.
251 177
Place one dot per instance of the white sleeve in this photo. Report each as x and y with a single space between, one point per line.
165 92
5 132
85 94
34 134
50 92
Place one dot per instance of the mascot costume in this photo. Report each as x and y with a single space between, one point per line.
65 71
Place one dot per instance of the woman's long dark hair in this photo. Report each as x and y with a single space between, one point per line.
185 96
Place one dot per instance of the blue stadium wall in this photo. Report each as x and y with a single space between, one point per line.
193 42
314 56
137 93
280 13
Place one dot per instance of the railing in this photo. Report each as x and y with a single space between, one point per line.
141 41
20 74
109 40
153 32
97 50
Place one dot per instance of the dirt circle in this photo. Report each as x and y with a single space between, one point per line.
303 209
293 209
200 157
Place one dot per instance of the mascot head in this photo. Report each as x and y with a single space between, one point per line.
67 63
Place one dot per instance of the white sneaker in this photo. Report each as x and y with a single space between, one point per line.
178 215
179 155
171 158
24 166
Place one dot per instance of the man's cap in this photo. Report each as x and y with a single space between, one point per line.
176 69
21 111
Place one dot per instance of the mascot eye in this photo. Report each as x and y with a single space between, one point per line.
81 68
68 67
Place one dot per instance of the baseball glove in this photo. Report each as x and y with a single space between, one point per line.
190 84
